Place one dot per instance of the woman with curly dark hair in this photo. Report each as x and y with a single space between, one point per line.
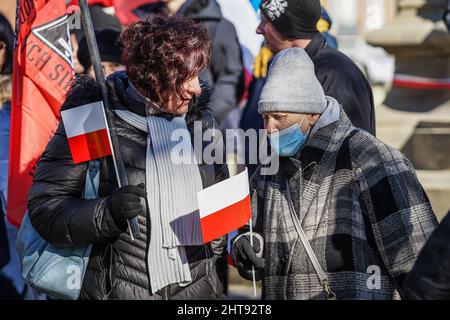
157 95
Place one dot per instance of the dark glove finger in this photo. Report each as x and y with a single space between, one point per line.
257 262
256 243
238 249
139 191
129 206
130 214
243 244
130 198
247 273
142 186
244 272
252 257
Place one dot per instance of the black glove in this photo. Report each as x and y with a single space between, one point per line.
245 256
125 204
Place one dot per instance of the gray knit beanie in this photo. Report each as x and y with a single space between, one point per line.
292 85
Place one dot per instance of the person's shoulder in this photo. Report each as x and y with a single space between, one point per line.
329 52
331 59
83 90
225 30
227 24
369 152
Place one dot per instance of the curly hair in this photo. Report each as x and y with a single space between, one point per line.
163 52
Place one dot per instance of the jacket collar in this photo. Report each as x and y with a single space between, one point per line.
125 98
329 116
329 138
317 44
317 159
325 142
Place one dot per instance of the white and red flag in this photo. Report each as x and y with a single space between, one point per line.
87 132
224 207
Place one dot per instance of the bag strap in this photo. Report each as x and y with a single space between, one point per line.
92 180
309 250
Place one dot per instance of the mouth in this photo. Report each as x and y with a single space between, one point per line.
184 103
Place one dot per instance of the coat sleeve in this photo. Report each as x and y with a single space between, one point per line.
342 80
399 213
228 71
55 206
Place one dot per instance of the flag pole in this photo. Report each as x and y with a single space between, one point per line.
119 166
253 267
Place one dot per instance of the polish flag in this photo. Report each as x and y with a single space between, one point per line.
224 207
87 132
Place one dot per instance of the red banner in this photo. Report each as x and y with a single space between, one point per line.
124 10
104 3
41 78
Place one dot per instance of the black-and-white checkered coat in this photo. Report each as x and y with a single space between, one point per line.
361 206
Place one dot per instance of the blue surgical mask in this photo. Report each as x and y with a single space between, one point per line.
289 141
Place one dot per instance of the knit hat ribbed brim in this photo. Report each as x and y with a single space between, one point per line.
292 85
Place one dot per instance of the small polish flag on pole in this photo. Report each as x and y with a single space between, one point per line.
87 132
224 207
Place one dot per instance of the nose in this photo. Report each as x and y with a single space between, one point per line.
194 87
260 29
270 126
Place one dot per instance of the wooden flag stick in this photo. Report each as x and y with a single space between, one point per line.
253 267
119 166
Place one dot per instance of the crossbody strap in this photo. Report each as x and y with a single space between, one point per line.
309 250
92 182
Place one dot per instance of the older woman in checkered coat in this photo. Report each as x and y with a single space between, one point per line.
344 216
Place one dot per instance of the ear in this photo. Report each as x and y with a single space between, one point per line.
313 118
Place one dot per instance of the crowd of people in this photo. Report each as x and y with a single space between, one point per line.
342 203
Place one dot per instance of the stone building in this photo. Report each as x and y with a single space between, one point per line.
356 17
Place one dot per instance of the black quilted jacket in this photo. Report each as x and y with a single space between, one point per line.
118 266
